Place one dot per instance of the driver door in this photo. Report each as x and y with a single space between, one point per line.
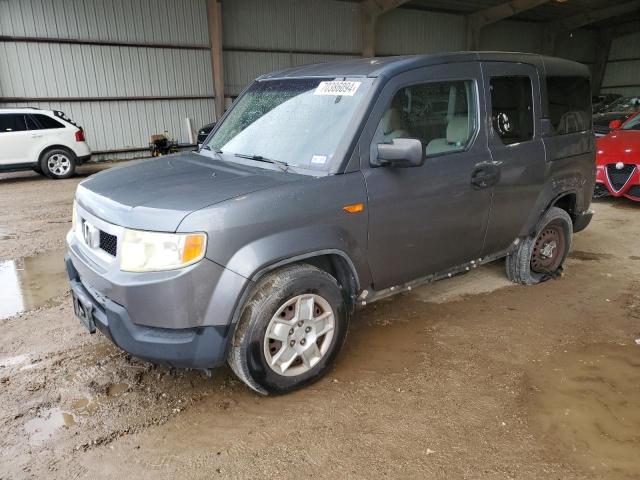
429 218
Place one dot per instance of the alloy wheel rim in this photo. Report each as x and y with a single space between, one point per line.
299 335
59 164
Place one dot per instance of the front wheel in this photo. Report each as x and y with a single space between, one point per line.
541 256
58 163
290 331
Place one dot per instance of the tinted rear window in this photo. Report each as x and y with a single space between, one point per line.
43 122
12 122
569 104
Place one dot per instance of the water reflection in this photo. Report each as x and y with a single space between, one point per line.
30 282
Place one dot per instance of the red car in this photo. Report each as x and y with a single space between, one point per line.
618 160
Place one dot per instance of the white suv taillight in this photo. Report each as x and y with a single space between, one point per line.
80 136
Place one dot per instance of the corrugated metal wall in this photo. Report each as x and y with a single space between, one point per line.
119 91
260 36
264 35
622 74
124 91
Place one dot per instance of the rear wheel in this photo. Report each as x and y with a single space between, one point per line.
291 329
542 255
58 163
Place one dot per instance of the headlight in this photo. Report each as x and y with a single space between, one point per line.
153 251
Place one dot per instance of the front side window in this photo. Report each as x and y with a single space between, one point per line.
12 122
297 121
512 109
569 104
441 115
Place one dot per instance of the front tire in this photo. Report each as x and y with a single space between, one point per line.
541 256
58 163
290 330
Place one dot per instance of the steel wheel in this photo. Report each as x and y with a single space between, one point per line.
548 249
299 335
59 164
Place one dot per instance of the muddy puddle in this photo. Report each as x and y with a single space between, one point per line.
589 256
42 427
587 404
30 282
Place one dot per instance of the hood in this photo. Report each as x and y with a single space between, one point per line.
620 146
157 194
606 118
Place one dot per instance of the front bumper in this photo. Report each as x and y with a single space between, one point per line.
200 347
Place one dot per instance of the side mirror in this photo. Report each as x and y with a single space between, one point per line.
401 152
615 124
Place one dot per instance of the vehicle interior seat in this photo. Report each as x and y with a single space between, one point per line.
457 136
391 125
575 121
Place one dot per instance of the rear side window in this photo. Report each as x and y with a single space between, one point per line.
12 122
569 104
441 115
43 122
512 108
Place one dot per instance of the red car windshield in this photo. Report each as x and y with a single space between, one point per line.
633 123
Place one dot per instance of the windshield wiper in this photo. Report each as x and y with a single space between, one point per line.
259 158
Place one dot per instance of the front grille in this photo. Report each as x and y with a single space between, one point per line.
634 191
619 177
108 243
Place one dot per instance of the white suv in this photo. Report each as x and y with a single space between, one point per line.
46 141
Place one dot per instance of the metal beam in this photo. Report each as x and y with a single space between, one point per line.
583 19
587 18
478 20
102 43
214 24
622 29
602 56
370 10
104 99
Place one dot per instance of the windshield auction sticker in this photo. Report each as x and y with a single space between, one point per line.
337 88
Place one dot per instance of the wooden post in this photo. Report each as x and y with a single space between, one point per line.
369 20
214 23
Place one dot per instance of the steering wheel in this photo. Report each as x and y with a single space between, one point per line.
503 124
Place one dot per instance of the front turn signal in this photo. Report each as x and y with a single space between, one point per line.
354 208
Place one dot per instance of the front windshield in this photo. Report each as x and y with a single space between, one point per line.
633 124
625 104
297 121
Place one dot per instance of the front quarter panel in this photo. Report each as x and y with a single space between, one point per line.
250 233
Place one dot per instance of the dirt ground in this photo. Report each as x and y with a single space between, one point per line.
469 378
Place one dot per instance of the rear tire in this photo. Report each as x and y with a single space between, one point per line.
541 256
291 329
58 163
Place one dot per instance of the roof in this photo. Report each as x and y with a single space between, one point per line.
21 110
390 66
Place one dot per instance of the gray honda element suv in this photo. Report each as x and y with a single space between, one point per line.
327 187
